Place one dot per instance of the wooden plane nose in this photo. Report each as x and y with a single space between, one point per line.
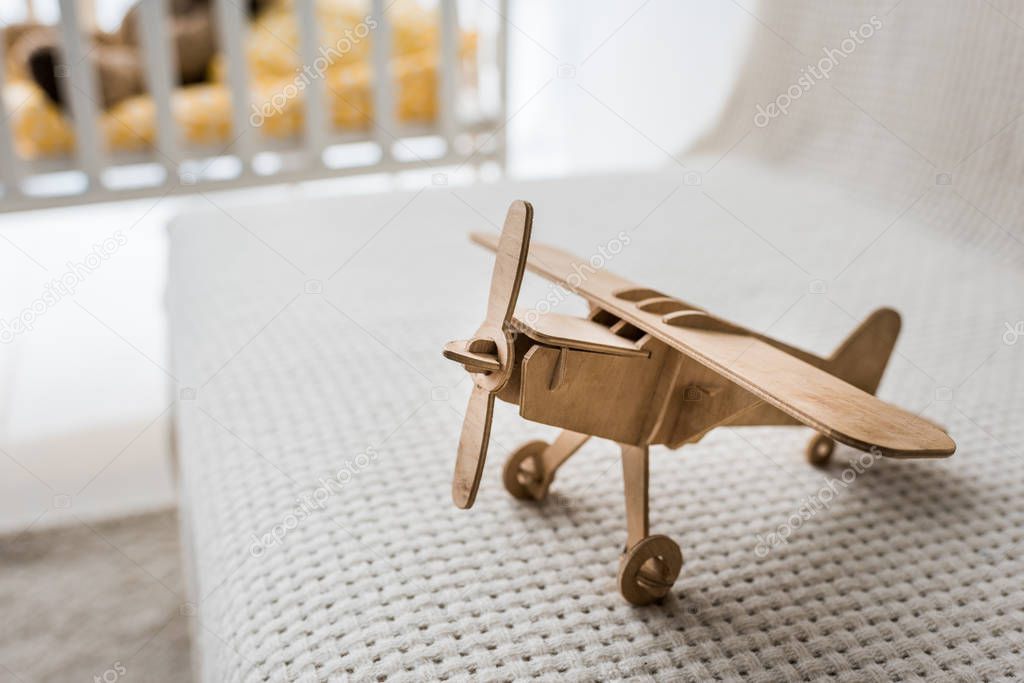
468 353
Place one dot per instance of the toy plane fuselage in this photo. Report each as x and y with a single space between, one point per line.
625 385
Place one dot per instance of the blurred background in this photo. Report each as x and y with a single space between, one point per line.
79 404
793 165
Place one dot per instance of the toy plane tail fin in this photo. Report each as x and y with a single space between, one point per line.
862 357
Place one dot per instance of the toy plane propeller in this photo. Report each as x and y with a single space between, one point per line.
645 368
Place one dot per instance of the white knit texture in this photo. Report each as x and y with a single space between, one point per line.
914 568
799 229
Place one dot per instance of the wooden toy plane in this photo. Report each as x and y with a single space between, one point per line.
645 368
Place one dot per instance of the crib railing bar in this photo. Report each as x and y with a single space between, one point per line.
383 101
286 146
10 167
231 28
312 73
27 202
502 61
447 74
78 80
160 78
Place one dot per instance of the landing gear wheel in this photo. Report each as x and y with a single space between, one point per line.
523 474
819 450
648 569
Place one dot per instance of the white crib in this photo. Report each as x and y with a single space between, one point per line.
469 127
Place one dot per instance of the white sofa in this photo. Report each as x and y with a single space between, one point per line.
306 342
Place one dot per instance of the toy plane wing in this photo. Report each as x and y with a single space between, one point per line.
775 373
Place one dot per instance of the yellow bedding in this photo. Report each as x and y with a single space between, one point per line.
277 83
